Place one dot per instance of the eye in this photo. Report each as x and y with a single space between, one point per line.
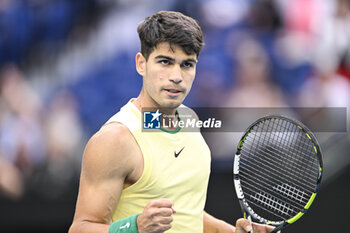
164 62
187 64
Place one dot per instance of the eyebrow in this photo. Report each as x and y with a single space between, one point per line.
173 60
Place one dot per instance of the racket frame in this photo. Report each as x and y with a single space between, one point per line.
248 212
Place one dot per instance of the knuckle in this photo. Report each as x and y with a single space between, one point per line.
152 203
165 201
237 221
170 212
153 212
148 205
166 227
240 221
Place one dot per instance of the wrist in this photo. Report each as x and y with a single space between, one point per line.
125 225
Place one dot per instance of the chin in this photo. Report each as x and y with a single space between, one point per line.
171 104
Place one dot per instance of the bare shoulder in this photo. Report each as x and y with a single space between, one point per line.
110 152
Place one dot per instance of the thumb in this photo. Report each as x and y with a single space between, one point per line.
173 209
243 226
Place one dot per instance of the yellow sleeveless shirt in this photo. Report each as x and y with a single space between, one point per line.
182 179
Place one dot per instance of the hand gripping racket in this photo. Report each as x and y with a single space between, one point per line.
277 171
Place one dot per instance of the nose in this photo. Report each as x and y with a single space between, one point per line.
176 74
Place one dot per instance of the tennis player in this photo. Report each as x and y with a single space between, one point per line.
147 182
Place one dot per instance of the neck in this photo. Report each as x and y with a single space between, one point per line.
143 102
170 114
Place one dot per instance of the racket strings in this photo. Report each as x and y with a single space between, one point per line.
275 163
278 165
294 207
285 151
302 144
273 181
298 201
282 132
277 134
273 203
264 179
294 168
292 192
288 130
303 147
277 209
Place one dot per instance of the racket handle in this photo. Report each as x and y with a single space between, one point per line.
251 224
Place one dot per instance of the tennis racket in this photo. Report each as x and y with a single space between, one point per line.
277 171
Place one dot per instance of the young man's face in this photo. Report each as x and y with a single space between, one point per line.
168 75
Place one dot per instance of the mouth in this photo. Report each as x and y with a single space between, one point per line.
173 91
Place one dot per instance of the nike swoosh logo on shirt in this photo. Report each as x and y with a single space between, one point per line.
177 154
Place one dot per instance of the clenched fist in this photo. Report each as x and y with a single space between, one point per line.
156 216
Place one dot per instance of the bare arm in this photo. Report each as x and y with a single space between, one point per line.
108 160
112 159
214 225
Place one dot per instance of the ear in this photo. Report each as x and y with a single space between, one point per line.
140 64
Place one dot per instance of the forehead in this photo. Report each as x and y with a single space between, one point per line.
166 49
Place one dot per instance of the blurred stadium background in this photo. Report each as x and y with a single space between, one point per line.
66 66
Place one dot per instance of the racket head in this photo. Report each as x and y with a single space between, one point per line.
277 170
